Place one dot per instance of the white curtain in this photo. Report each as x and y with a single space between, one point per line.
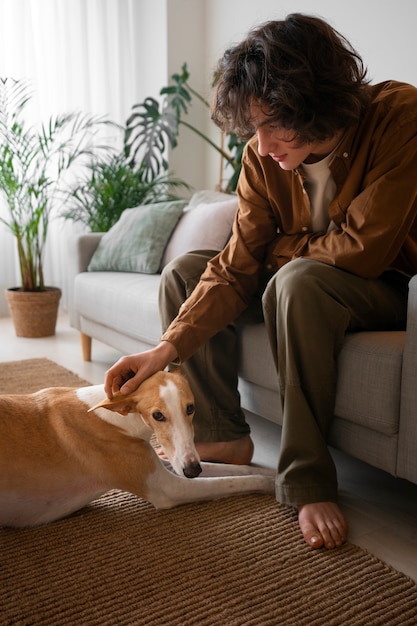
78 55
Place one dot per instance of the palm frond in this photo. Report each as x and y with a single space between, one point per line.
32 164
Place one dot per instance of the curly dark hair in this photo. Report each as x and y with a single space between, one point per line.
303 73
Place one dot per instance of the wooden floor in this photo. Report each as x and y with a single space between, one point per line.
381 510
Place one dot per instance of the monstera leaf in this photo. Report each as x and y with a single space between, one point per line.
153 127
149 130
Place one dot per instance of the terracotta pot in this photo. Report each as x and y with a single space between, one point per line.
34 313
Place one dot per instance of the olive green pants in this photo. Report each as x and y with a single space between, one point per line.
307 307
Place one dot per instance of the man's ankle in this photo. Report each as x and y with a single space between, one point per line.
236 452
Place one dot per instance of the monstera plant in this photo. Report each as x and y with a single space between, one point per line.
153 127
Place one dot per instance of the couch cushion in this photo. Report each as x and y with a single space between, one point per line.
137 241
203 226
255 357
369 374
369 380
127 302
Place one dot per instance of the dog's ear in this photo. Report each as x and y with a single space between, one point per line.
119 403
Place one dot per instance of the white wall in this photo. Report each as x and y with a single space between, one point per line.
187 44
382 32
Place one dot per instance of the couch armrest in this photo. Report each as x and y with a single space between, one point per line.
80 250
407 443
86 245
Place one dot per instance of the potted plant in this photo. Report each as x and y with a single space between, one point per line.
32 167
152 126
139 175
111 185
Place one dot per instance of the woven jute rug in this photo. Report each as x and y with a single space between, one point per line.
234 562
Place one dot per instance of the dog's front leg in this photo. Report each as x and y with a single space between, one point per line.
225 469
166 489
210 470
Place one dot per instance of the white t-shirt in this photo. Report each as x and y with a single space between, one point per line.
321 190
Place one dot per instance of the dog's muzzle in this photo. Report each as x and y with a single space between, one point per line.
192 470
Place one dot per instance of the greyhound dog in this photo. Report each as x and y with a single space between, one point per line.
61 448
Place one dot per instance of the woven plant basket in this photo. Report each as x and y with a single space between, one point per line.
34 313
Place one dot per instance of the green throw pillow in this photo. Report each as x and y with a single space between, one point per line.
137 241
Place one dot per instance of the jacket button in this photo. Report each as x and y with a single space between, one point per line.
345 155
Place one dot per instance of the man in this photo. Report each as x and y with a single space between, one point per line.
325 237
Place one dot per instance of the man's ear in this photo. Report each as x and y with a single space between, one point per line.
119 403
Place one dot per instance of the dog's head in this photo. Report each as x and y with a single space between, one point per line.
165 403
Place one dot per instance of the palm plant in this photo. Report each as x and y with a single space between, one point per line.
32 167
152 127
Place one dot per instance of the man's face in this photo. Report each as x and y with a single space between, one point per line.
283 146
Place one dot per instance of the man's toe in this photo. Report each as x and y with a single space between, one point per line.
312 537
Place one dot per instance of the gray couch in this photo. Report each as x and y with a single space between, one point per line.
376 407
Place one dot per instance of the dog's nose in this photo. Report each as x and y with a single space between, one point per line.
192 470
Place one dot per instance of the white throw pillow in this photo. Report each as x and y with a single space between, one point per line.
203 226
206 196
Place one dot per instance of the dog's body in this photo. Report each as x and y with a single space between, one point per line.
60 449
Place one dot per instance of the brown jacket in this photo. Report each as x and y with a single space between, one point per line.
375 211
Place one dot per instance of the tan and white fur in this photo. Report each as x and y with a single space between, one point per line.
61 448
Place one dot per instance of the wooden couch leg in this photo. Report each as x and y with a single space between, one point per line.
86 346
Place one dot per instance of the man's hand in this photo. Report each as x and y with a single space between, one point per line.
130 371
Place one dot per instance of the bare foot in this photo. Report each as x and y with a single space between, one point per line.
322 524
237 452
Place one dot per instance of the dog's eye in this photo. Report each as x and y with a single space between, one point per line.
158 416
190 409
